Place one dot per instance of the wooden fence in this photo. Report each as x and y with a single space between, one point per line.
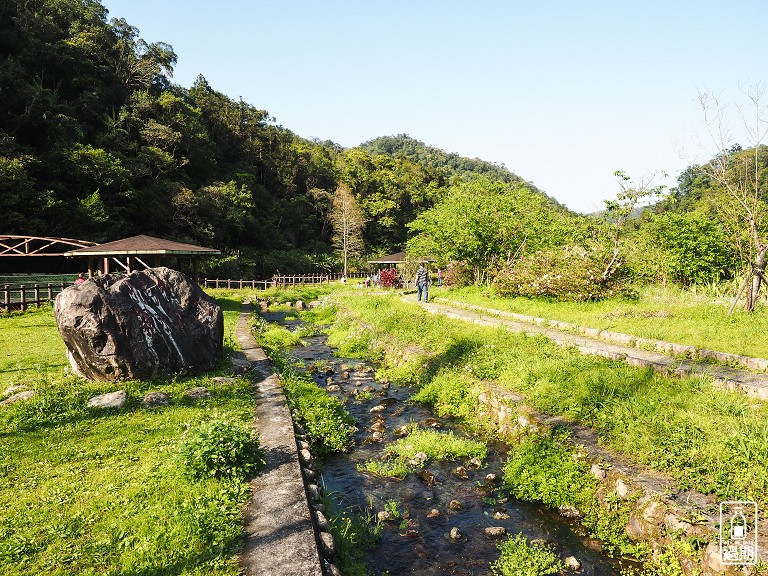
282 281
20 297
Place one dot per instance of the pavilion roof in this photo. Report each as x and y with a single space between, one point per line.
143 244
397 258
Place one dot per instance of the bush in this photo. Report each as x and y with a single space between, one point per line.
458 274
220 448
542 469
567 273
389 278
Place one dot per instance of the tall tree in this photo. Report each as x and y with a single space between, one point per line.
347 221
742 176
482 221
619 210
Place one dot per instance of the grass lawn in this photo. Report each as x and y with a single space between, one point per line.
93 492
670 314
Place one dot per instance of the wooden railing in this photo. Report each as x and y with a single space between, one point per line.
290 280
21 297
282 281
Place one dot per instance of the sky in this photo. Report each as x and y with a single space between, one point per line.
562 92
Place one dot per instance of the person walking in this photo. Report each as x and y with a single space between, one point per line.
422 281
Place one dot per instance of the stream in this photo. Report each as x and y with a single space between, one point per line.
421 543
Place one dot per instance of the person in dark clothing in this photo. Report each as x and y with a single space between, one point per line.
422 281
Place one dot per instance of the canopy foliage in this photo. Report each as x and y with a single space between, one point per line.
98 143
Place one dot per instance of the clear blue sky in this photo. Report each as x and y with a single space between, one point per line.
562 92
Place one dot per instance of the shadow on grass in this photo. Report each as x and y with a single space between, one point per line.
189 563
455 355
67 405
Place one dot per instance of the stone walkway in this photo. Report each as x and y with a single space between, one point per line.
734 379
279 535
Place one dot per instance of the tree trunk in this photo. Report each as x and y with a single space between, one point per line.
738 294
758 269
749 304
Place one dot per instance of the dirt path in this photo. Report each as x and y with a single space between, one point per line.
725 377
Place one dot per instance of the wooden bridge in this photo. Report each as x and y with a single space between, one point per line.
26 246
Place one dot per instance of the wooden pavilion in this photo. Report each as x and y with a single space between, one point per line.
139 252
397 259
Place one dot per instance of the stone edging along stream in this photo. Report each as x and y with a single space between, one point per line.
661 346
659 507
286 532
658 355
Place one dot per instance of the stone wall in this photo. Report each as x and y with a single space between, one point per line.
659 511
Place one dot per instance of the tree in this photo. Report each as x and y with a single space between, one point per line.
685 247
618 211
742 176
347 221
482 222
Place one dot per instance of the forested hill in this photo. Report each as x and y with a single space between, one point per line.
453 165
403 146
98 143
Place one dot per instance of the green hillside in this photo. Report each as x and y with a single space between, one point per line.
98 143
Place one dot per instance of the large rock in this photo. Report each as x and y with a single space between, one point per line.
146 324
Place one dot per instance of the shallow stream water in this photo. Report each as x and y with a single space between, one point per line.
421 544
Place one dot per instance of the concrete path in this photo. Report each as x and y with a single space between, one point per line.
279 536
752 384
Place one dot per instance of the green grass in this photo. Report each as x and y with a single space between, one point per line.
521 558
277 295
328 425
32 348
437 446
354 532
397 457
91 492
671 314
708 440
546 468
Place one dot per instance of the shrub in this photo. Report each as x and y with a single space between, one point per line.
390 278
458 274
567 273
221 448
542 469
545 469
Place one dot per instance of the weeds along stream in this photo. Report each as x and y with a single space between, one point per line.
410 479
